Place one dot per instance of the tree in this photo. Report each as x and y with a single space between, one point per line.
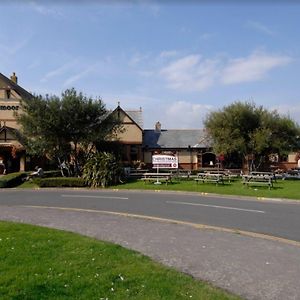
66 128
253 133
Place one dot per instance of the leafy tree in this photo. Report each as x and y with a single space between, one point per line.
65 128
253 133
102 169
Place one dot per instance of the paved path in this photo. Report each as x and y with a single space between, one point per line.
254 268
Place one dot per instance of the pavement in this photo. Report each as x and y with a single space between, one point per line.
249 266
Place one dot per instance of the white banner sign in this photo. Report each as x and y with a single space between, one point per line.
165 161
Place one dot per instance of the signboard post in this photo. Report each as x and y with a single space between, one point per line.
163 161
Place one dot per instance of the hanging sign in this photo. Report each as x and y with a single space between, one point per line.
165 161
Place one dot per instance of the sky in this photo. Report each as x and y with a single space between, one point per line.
177 60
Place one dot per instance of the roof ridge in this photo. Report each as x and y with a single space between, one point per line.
16 86
177 129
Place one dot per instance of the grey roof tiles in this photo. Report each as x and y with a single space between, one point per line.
176 138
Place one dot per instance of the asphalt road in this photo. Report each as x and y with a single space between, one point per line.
280 219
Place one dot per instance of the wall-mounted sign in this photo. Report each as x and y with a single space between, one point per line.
9 107
165 161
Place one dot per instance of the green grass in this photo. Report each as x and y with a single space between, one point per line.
39 263
28 185
289 189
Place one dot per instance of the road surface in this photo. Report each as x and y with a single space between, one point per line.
280 219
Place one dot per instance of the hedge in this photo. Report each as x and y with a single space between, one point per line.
60 182
12 179
55 173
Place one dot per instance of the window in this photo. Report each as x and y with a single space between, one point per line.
7 94
133 152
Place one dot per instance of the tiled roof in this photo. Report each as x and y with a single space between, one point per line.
176 138
136 116
23 93
15 132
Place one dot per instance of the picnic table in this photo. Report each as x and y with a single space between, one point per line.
136 173
157 177
256 180
261 173
227 174
210 177
215 176
183 174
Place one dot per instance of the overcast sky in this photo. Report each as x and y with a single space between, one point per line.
177 61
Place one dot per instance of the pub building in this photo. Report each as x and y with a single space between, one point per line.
191 146
12 151
138 144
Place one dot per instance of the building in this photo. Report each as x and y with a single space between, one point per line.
131 134
12 151
191 146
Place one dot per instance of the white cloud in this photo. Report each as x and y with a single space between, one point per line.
177 114
146 73
127 100
170 53
45 10
194 73
206 36
184 30
14 46
137 58
58 71
260 27
190 73
251 68
292 111
80 75
35 64
183 114
155 10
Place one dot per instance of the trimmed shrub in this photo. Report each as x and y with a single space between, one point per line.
12 179
55 173
60 182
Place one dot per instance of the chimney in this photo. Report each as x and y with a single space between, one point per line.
158 127
14 78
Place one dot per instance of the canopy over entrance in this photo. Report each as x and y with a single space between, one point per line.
12 151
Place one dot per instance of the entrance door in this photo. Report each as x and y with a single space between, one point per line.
7 162
208 160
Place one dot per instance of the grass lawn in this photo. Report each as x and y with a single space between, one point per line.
28 185
289 189
40 263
